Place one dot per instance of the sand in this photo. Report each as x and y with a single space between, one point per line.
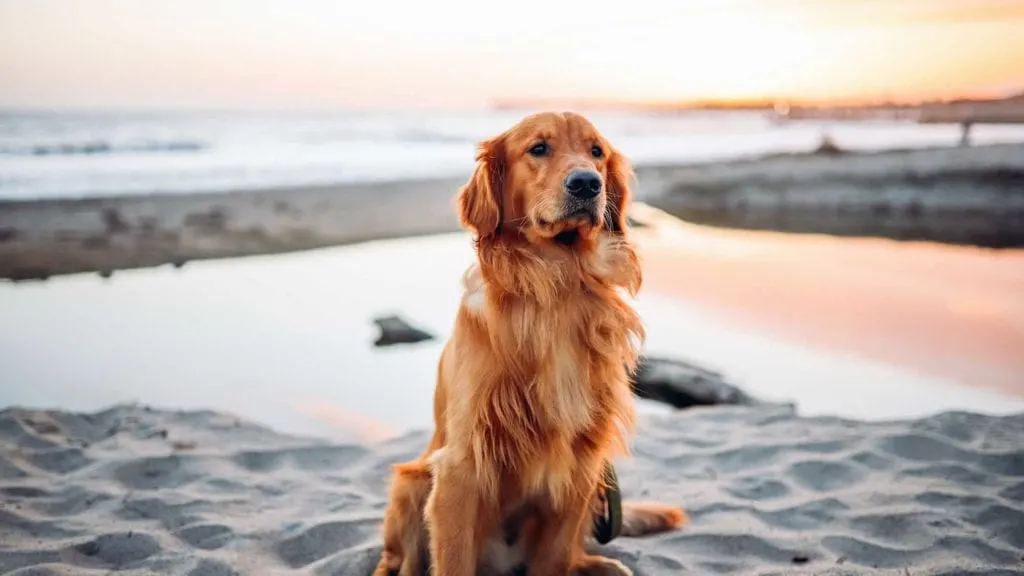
961 195
141 491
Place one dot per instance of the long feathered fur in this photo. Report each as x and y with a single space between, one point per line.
533 393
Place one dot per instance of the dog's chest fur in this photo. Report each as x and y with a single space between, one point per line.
546 385
553 380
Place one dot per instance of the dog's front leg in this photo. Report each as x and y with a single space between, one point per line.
564 522
460 517
564 526
405 536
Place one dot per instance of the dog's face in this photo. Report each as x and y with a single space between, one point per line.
551 177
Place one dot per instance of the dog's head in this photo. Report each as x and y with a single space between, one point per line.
550 178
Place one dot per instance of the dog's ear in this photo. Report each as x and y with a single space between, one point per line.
620 174
480 199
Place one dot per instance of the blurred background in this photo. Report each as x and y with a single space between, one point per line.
205 203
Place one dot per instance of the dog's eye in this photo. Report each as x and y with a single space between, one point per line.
596 152
539 149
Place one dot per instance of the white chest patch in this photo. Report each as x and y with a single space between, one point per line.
473 290
603 260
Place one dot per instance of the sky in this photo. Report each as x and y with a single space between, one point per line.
309 54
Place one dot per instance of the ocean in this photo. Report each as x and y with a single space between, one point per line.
90 154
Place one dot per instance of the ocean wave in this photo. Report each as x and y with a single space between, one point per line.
434 137
102 147
415 136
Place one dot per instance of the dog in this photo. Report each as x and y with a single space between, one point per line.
533 395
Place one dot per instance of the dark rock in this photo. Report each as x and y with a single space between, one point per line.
683 385
394 330
114 221
827 147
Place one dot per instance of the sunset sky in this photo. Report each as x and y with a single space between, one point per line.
388 53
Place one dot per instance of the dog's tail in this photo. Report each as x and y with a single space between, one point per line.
645 518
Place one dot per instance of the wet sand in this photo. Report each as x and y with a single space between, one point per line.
965 196
972 196
952 312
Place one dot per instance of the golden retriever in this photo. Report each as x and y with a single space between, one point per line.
533 392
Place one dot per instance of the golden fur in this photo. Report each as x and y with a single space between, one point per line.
533 388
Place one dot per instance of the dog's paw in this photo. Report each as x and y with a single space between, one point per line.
392 564
383 569
599 566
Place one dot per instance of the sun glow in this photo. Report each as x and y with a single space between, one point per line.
317 53
729 55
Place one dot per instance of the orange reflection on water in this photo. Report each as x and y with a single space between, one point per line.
339 418
954 312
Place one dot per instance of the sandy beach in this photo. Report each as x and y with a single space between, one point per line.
856 466
232 416
140 491
232 255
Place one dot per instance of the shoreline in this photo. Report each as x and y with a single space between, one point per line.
753 307
971 196
886 194
44 238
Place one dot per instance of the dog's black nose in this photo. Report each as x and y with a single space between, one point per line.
583 184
